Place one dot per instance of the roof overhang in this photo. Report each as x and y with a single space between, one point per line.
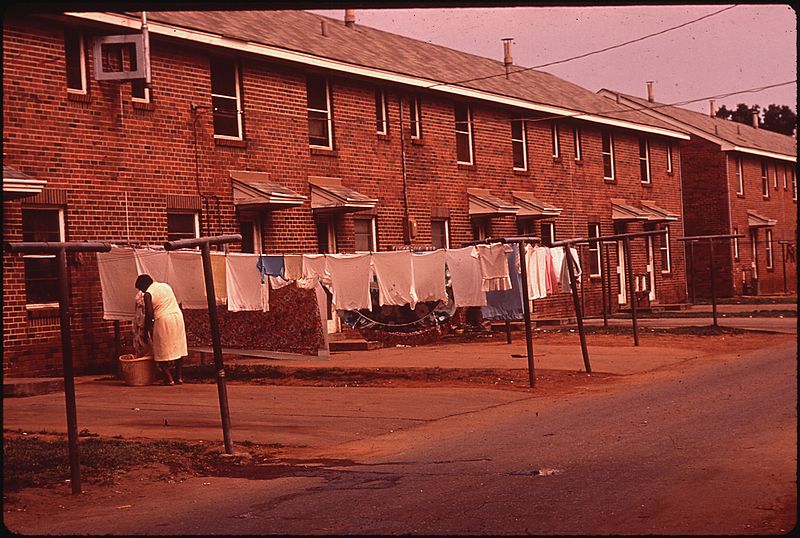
656 213
533 208
754 220
484 204
759 152
157 28
253 190
621 211
329 195
17 184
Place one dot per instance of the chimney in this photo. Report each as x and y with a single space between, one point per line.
650 91
712 109
324 28
508 61
755 118
350 17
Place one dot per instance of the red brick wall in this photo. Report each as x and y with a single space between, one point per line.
115 159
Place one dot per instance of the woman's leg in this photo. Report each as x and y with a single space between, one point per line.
165 370
179 371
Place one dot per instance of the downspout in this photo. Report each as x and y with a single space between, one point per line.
406 222
203 197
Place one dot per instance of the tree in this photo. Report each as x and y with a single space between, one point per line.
777 118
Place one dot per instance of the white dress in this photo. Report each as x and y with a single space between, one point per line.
169 332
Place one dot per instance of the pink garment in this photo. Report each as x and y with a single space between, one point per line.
465 276
494 267
350 278
394 273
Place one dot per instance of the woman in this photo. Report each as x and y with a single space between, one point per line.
164 325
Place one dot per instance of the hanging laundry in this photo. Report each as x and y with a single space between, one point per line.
243 282
350 278
314 270
117 277
465 276
551 278
277 282
292 266
152 262
185 276
142 346
562 269
395 276
494 267
218 275
557 254
270 265
537 283
507 304
429 278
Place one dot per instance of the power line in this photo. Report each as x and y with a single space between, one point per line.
522 70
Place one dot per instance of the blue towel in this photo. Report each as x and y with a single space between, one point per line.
270 265
507 304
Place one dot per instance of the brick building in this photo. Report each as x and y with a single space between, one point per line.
737 179
286 126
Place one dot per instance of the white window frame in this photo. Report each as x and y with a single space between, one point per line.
644 160
327 112
134 98
739 176
576 138
373 232
237 98
415 120
554 139
61 236
794 185
764 179
84 89
523 141
446 223
768 249
552 226
669 158
736 244
785 184
665 250
775 176
185 212
380 93
468 132
608 154
594 251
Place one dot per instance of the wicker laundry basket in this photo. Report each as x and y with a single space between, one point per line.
138 371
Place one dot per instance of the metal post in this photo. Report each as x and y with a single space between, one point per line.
713 286
626 245
576 303
69 380
608 279
508 332
526 312
603 283
117 348
215 342
691 272
783 259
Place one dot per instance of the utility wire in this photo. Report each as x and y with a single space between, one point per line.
522 70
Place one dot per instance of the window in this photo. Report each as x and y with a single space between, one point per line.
595 268
576 139
182 225
463 133
365 234
41 270
226 98
768 249
319 112
764 180
666 263
775 177
548 233
519 144
415 118
75 53
736 244
554 139
440 233
139 91
785 185
608 156
381 113
794 185
739 177
644 160
525 227
669 157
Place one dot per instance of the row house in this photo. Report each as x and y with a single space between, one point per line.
306 134
737 179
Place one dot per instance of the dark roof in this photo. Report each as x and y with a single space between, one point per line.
735 133
300 31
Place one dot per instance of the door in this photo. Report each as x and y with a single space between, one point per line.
250 228
651 267
754 262
326 244
622 296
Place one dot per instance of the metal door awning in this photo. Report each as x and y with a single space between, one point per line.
484 204
329 195
253 190
17 184
754 220
656 213
621 211
533 208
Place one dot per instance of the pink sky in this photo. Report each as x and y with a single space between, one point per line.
746 47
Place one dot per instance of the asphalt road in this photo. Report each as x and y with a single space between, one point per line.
704 447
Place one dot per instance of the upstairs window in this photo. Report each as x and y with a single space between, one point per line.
182 225
764 180
365 234
548 233
75 53
440 233
669 157
785 185
519 148
576 140
463 116
41 270
644 160
794 185
608 156
595 268
775 177
415 119
381 113
554 139
319 112
739 177
226 102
